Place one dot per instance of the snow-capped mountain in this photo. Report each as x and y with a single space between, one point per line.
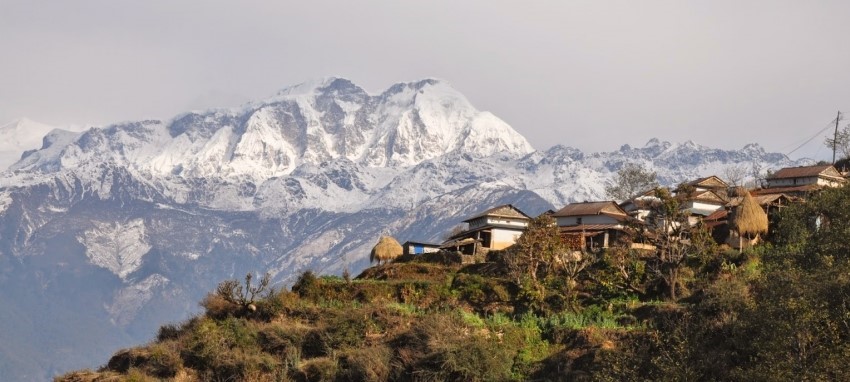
20 136
112 231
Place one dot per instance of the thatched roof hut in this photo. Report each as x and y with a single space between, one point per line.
750 219
386 250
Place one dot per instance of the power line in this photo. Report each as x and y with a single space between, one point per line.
827 127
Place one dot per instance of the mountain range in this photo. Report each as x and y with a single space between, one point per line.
108 233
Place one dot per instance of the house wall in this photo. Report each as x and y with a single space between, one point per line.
790 182
521 223
697 205
477 223
484 220
418 249
587 219
827 182
503 238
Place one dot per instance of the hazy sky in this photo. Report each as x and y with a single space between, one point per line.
589 74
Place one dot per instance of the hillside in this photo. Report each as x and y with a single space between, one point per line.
775 312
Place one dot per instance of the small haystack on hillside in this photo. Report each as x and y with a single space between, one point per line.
750 220
387 249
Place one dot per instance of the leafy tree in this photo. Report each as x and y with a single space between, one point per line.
621 271
814 234
798 327
535 253
539 254
630 180
841 142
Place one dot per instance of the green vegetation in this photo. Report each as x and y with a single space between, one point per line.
778 311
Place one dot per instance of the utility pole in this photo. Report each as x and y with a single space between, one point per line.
835 136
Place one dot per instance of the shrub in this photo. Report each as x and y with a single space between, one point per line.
475 357
479 291
158 360
321 369
168 332
284 343
218 307
164 361
305 284
273 306
226 349
365 364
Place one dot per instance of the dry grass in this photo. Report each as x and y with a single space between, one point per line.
750 219
387 249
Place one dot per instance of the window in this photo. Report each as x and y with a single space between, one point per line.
578 220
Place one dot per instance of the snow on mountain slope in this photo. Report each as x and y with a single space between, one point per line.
19 136
116 247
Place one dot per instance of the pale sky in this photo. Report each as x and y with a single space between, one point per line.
588 74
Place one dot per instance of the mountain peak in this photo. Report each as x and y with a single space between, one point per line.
18 136
321 120
318 85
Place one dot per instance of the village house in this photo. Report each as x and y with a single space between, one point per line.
418 248
640 206
496 228
702 197
709 183
591 225
799 181
701 204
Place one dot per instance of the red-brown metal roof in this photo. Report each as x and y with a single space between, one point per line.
608 208
807 171
505 210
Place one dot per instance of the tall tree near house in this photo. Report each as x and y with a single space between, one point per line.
537 254
672 235
570 264
749 220
630 180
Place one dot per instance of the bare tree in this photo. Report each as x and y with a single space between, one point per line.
630 180
456 230
232 291
758 174
735 174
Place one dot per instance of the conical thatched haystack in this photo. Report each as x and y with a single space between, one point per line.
386 250
750 219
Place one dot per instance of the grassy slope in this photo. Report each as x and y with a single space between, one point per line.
402 321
